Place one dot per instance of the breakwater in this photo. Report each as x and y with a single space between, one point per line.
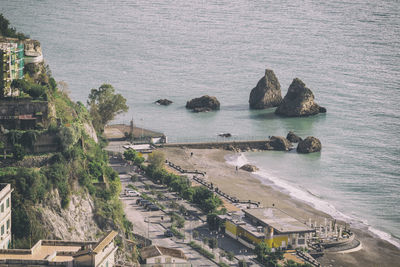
228 145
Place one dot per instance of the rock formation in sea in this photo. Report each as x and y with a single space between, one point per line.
278 143
309 145
299 101
164 102
249 168
267 93
203 104
292 137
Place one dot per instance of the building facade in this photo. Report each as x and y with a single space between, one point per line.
5 216
12 65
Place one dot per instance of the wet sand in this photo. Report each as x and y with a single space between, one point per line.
245 186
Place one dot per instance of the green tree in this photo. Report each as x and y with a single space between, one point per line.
242 263
18 152
7 31
214 222
213 243
104 105
156 160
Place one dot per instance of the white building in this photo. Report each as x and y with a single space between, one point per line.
5 216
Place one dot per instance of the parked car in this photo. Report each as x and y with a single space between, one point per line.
168 233
141 201
131 193
152 207
144 202
148 204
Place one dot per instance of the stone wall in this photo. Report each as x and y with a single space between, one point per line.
11 110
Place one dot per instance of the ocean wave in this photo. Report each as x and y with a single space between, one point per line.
309 197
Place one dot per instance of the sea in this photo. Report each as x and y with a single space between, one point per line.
346 52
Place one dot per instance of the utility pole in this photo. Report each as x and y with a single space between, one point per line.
148 226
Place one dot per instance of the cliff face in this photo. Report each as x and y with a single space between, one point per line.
267 93
76 222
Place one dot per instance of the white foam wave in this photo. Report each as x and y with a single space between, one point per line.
307 196
237 159
385 236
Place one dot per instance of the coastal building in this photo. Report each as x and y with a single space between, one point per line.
271 225
162 256
64 253
12 64
14 54
5 216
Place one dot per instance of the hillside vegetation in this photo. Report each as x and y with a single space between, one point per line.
45 184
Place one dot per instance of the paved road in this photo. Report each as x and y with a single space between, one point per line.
146 223
152 229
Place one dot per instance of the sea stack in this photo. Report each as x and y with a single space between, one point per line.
299 101
267 93
203 104
309 145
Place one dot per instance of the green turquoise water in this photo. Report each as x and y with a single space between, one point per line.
347 52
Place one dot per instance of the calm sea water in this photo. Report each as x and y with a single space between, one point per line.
347 52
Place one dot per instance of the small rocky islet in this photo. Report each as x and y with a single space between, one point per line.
163 102
203 104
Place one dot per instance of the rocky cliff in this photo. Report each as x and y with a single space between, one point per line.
76 222
299 101
267 93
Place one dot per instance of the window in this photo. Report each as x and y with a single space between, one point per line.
8 224
2 230
8 202
158 260
2 207
168 260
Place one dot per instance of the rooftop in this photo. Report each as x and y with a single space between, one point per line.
56 250
155 251
277 219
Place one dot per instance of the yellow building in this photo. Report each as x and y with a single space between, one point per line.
271 225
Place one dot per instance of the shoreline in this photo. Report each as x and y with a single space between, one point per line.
246 186
314 200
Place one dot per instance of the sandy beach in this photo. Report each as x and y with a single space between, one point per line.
245 186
